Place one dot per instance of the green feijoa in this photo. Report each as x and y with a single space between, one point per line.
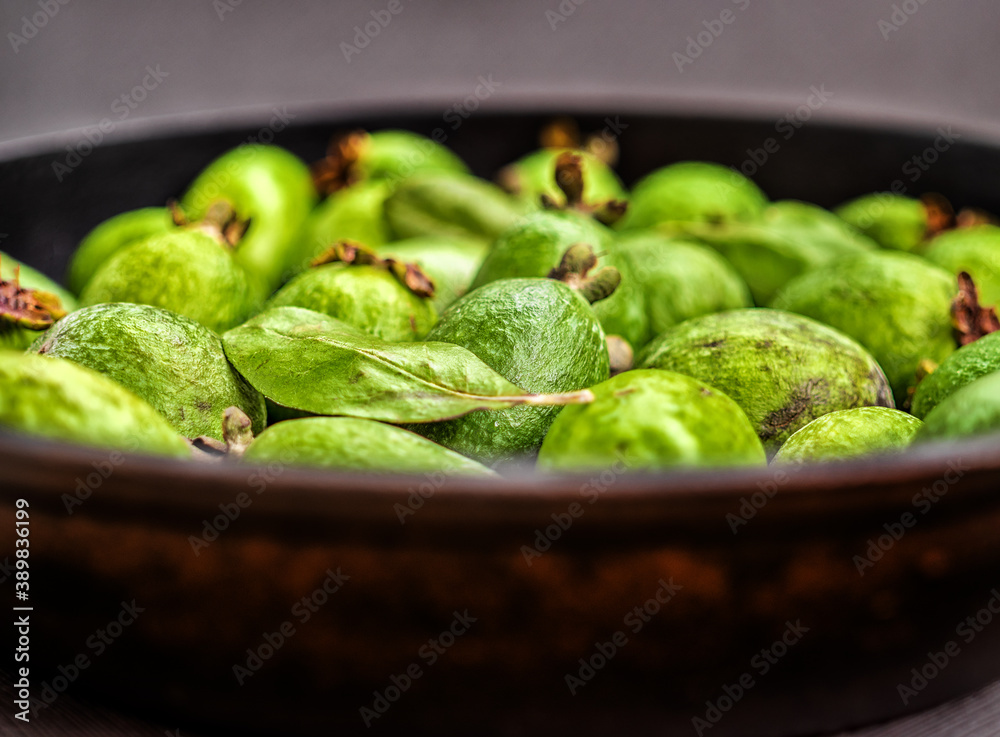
962 367
368 297
355 213
349 444
848 433
896 305
784 370
680 279
270 188
974 250
692 191
789 239
171 361
451 263
305 360
893 221
650 419
534 175
112 235
456 205
58 399
971 410
397 154
822 228
534 247
25 312
540 335
185 271
386 155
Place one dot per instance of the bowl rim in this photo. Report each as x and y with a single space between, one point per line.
677 497
856 115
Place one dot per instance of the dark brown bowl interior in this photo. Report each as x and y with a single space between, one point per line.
795 561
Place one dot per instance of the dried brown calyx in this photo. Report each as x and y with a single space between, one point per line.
969 217
337 169
28 308
939 214
408 274
569 179
565 133
221 222
237 435
574 268
971 321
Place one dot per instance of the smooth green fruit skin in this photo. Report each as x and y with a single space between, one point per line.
975 250
538 334
34 279
972 410
455 205
451 263
355 213
896 305
349 444
536 244
370 299
680 279
60 400
111 236
393 155
651 420
784 370
849 433
535 174
171 361
962 367
186 271
789 239
891 220
692 191
274 189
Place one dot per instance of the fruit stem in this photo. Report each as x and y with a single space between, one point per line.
236 431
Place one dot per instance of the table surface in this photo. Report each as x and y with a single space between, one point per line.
976 715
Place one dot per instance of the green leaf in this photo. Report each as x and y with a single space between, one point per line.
309 361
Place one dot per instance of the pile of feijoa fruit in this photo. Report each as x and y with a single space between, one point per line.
386 311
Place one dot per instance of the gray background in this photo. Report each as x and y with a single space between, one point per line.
244 56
